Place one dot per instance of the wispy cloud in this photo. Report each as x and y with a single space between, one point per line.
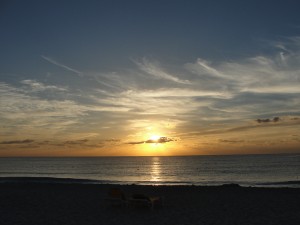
27 141
36 86
160 140
24 114
175 92
260 126
202 67
154 70
54 62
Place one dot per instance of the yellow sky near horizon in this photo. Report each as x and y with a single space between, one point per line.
267 137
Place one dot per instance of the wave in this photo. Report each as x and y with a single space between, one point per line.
46 180
49 173
56 180
291 182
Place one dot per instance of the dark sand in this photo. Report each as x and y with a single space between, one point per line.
37 203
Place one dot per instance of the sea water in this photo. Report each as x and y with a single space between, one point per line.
246 170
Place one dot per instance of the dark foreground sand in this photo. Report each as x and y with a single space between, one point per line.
62 204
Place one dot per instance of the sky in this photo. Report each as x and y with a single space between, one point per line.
135 78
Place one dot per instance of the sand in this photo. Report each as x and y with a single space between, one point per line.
35 203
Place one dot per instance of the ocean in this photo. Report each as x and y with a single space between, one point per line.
245 170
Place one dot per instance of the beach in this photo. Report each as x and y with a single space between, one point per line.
38 201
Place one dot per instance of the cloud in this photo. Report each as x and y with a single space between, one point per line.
231 141
36 86
233 127
23 114
203 67
295 118
175 92
277 73
154 70
112 140
136 142
54 62
76 142
26 141
274 120
244 88
160 140
134 102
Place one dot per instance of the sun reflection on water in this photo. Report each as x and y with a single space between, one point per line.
155 169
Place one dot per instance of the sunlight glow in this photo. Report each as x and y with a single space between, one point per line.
154 137
155 169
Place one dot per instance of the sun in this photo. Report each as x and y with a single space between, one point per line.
155 144
154 138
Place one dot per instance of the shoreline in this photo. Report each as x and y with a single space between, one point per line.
17 179
49 203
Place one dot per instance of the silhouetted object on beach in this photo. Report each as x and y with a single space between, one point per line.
144 201
116 197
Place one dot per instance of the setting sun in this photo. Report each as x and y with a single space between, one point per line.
154 138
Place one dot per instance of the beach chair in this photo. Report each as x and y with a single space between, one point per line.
143 201
116 197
